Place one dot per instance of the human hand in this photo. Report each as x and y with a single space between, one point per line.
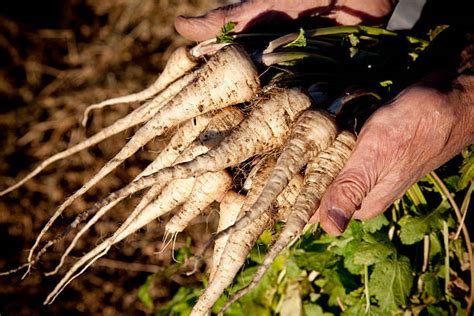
251 13
404 140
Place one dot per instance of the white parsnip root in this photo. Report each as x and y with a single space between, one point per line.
239 243
277 113
229 209
320 172
206 93
314 131
216 128
208 188
179 63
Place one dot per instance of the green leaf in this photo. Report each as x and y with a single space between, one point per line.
375 224
373 250
312 310
349 252
435 245
412 229
144 294
386 83
355 230
316 261
292 269
436 31
391 282
432 291
300 41
224 36
360 309
437 311
467 171
181 304
266 237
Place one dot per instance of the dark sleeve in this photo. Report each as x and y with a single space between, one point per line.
454 49
457 13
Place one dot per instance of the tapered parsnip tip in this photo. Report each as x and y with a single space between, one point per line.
179 63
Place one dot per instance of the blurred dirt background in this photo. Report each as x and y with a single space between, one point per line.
54 63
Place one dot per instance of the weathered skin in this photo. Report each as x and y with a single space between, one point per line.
252 13
392 153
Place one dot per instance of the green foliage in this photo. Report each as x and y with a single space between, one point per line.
467 169
413 229
300 40
224 36
373 249
391 282
181 304
143 292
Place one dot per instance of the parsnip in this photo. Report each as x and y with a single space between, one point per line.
179 63
239 243
320 172
229 209
217 127
314 131
208 188
266 129
190 102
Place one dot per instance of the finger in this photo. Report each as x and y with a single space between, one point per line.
342 199
345 195
209 25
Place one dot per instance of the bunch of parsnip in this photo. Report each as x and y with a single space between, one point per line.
292 106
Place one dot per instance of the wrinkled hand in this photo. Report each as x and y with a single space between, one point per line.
418 131
252 13
401 142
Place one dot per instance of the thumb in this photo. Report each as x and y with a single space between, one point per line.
209 25
343 197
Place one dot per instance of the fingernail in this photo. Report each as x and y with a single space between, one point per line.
338 217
